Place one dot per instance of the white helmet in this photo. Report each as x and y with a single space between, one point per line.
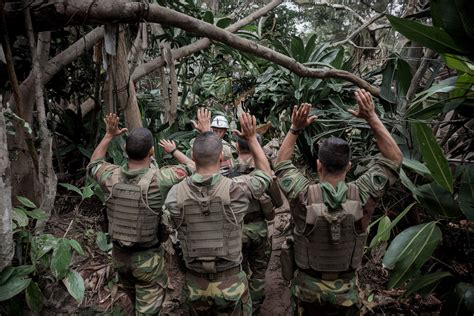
220 122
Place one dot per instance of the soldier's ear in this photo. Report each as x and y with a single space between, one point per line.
349 166
151 152
221 157
318 166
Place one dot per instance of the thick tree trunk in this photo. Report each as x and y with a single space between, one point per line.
46 176
6 233
119 86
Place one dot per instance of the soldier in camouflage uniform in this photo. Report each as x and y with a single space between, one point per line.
136 194
256 244
208 210
219 126
331 218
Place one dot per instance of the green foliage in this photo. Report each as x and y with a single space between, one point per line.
34 297
433 155
429 36
102 243
386 225
85 192
425 281
75 285
409 251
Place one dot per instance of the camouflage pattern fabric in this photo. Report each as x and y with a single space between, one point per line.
308 289
227 296
256 250
142 274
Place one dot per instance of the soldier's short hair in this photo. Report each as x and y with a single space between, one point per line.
334 154
207 149
138 144
244 146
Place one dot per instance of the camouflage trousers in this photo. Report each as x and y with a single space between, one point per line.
256 251
143 275
314 296
226 296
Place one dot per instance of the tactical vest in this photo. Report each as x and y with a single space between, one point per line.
131 221
208 229
329 241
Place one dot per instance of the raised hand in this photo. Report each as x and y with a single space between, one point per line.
167 145
248 125
111 125
300 117
366 105
203 123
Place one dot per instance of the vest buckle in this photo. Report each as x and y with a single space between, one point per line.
335 232
205 209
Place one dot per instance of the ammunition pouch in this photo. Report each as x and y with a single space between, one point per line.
287 259
266 205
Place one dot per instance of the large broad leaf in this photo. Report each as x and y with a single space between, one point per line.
386 91
15 272
425 281
75 285
101 241
432 155
429 36
404 76
437 200
409 251
416 166
12 287
26 202
408 183
76 246
20 217
383 234
41 245
61 259
460 63
466 193
34 297
71 188
297 49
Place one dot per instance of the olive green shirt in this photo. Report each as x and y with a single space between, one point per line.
242 190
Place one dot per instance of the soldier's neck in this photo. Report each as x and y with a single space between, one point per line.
208 170
138 164
332 179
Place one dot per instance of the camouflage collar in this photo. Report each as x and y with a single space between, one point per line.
132 173
201 180
334 196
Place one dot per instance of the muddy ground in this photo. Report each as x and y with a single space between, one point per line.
104 296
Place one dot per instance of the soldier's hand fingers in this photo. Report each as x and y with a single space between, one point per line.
356 114
312 119
237 132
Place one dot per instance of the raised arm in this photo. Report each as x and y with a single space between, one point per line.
299 120
169 147
248 124
111 122
385 142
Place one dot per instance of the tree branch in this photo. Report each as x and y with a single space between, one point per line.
360 29
136 11
146 68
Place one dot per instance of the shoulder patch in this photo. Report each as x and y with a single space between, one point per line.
181 173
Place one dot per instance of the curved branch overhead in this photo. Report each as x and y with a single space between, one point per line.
109 11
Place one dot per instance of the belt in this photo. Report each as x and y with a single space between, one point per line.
217 275
328 276
254 217
116 244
